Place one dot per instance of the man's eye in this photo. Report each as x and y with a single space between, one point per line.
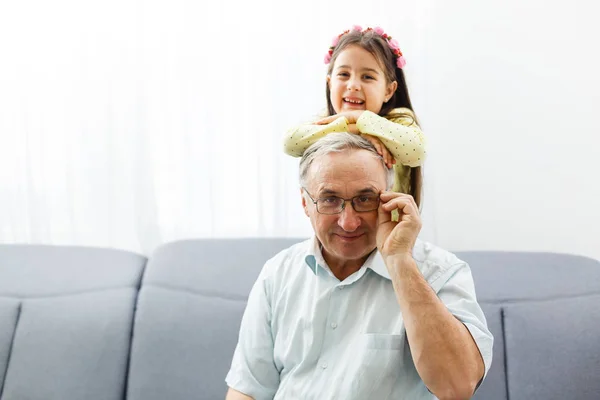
329 200
366 199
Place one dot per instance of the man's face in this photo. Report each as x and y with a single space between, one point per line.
349 236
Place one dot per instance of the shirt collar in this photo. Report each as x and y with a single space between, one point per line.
314 259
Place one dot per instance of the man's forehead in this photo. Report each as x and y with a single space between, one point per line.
347 188
347 170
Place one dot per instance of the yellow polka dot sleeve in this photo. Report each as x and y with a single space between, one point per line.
301 137
401 135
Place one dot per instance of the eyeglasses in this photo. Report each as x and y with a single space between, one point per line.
334 205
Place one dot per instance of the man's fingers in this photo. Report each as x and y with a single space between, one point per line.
387 195
384 215
403 202
407 211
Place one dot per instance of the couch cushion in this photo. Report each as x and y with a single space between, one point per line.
553 349
183 344
71 335
188 316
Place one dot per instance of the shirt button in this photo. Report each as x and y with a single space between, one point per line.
340 287
333 325
324 365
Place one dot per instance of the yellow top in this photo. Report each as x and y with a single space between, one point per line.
397 131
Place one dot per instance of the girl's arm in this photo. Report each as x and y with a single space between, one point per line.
299 138
401 135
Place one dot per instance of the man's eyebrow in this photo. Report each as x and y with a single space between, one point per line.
328 192
367 190
331 192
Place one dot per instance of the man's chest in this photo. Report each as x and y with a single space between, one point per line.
351 338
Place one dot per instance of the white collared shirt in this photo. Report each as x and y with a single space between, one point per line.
306 335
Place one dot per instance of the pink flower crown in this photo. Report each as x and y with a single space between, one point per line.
392 43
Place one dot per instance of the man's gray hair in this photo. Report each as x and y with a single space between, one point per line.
336 143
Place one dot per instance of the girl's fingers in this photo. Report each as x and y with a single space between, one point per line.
325 121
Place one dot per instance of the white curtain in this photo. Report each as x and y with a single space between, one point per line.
132 123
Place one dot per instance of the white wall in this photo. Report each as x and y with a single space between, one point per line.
513 95
112 118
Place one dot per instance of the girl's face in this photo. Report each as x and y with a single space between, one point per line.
357 82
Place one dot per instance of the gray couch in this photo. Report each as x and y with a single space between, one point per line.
83 323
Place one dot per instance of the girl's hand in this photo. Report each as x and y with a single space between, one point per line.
352 128
382 150
351 116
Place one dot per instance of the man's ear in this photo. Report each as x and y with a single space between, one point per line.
304 205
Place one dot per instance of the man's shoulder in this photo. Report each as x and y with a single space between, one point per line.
435 261
286 259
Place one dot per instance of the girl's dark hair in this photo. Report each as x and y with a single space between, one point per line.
379 48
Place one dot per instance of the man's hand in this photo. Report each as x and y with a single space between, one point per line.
397 238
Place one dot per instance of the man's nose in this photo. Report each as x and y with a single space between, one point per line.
349 220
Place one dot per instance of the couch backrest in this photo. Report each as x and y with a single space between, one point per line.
67 320
66 316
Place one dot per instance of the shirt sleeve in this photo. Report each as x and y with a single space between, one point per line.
299 138
401 135
458 294
253 371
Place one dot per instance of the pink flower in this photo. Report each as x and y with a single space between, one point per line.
327 58
394 44
401 62
379 30
357 28
335 41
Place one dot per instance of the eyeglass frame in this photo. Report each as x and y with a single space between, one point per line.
351 200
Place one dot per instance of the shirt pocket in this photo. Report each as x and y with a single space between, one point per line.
375 366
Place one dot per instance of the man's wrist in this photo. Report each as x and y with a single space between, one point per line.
397 261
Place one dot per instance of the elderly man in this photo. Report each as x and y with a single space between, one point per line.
363 310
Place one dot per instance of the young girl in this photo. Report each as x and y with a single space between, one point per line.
367 95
